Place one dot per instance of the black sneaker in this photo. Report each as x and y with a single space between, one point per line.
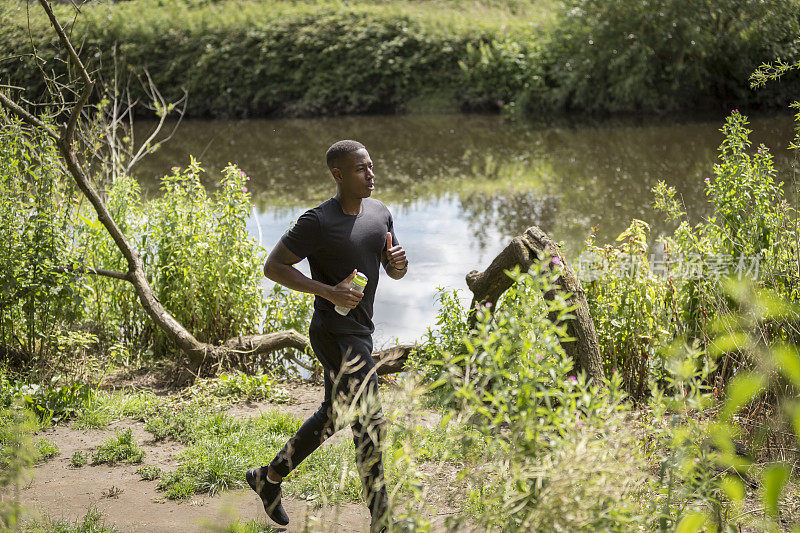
270 494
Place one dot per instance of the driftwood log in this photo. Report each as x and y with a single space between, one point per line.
524 250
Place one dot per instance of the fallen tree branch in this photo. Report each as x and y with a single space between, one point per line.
269 342
25 116
392 360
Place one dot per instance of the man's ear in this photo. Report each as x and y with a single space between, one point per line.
337 174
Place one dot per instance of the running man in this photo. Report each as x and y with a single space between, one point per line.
347 233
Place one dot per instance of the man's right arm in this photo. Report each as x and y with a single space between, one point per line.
280 269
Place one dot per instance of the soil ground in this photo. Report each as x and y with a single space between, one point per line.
60 491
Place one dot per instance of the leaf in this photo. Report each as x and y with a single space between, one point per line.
789 362
773 480
691 523
734 490
741 390
728 343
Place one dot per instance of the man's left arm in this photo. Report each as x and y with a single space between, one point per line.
394 259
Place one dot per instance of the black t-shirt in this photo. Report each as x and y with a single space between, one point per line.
335 243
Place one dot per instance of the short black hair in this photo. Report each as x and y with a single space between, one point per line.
339 148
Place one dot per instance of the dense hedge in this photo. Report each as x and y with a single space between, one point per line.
624 55
255 59
239 58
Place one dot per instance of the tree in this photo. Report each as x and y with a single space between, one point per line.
63 134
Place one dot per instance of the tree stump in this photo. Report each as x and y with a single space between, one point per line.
532 246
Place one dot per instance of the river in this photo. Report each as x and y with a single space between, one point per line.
461 186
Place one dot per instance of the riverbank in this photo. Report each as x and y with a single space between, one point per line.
248 59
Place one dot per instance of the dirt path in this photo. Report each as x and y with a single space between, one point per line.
61 491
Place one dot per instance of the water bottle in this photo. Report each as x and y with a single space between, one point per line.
358 284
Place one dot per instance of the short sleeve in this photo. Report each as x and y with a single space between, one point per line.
390 223
303 237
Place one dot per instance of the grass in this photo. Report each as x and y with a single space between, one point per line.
79 459
221 448
149 472
250 526
430 458
121 448
437 14
238 386
45 449
92 522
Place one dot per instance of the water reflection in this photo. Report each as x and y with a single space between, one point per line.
461 185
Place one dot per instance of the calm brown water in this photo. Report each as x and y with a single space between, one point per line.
460 186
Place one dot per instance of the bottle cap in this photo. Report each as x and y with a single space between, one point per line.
360 279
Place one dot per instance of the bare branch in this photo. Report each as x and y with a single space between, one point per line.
163 108
65 41
94 271
27 117
11 58
298 362
76 113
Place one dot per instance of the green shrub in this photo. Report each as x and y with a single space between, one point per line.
632 308
239 59
750 232
642 302
56 403
17 450
238 386
752 439
253 59
444 341
634 55
206 269
501 73
201 263
287 309
16 456
121 448
513 383
36 303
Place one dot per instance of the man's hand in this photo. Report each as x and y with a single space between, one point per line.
395 254
342 294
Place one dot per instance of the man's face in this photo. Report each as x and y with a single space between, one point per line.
355 176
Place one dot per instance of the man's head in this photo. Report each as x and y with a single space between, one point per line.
351 167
